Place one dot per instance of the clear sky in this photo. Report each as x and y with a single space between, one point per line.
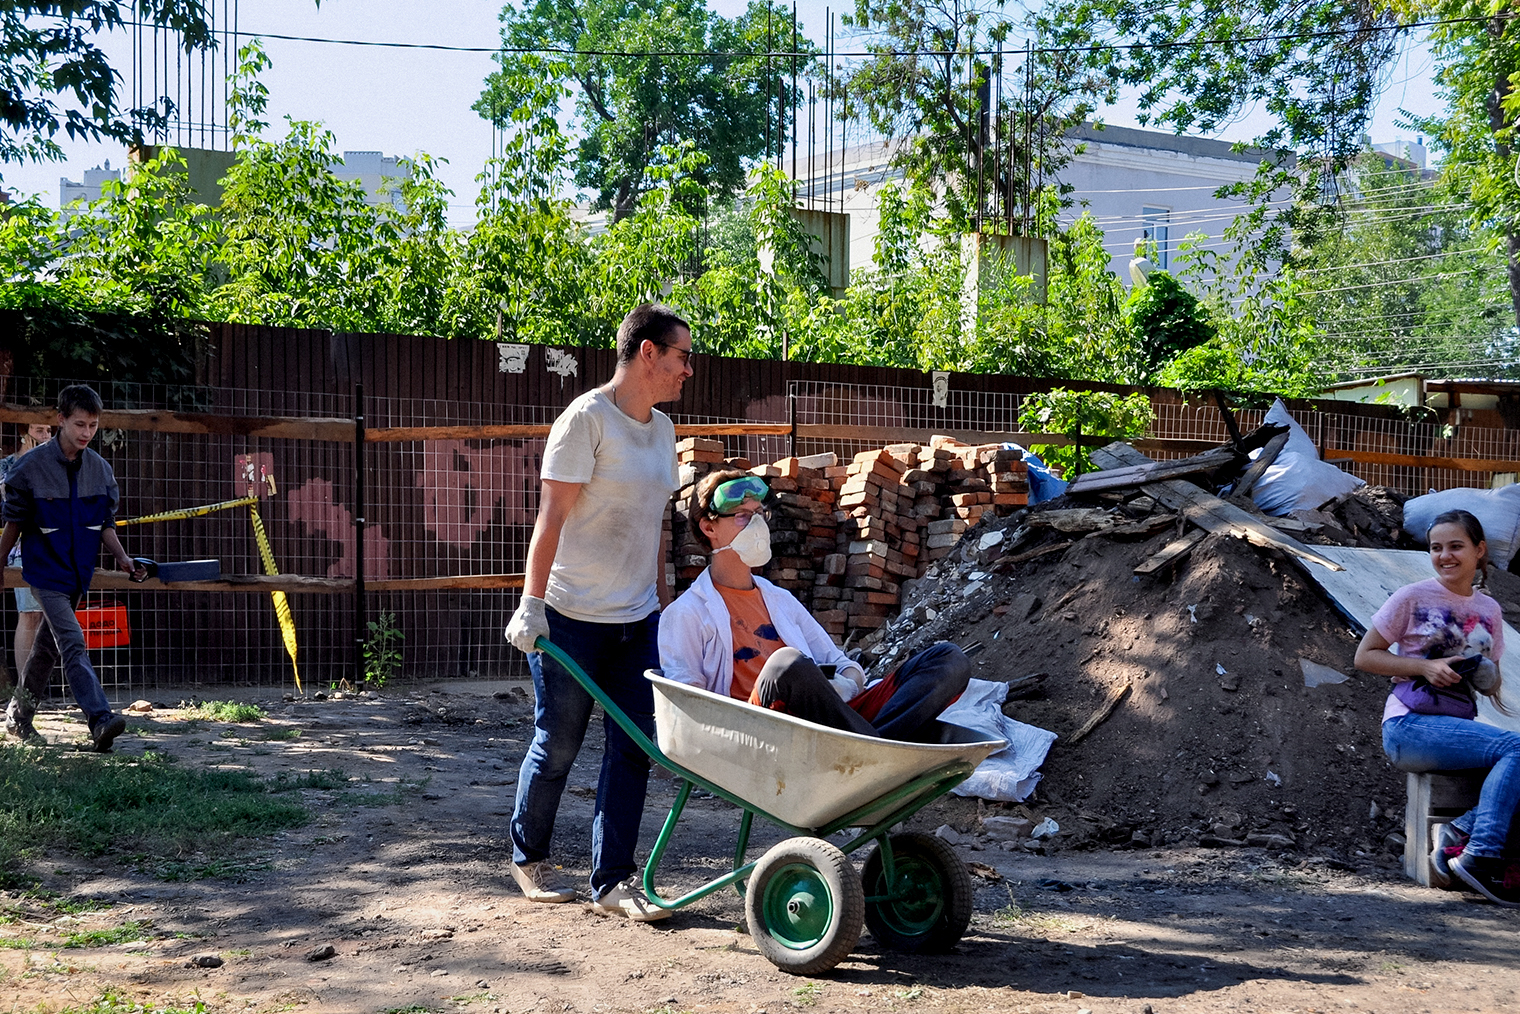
402 101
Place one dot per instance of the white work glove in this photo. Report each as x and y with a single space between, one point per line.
528 624
845 686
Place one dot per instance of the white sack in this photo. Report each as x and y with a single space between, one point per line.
1012 773
1297 479
1498 510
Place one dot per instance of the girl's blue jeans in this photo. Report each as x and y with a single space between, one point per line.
1441 743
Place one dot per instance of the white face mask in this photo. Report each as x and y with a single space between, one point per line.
753 545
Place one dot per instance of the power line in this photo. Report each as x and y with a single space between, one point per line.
1390 281
1401 260
778 54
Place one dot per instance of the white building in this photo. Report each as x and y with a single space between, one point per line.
380 175
1146 184
90 188
1135 183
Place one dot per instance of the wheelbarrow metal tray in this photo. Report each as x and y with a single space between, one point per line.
801 773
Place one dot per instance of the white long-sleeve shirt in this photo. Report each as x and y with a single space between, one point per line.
697 636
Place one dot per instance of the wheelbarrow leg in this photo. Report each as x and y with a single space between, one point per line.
745 823
663 841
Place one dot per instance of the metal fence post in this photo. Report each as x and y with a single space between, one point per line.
360 619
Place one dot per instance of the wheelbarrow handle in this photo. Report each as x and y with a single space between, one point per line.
617 714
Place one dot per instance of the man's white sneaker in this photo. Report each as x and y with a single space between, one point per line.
541 882
628 899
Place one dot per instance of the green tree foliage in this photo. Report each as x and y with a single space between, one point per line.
1478 70
968 113
648 77
1083 414
1404 281
1166 320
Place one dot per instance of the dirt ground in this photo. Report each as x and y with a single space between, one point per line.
414 899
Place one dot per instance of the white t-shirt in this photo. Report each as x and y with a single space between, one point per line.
604 569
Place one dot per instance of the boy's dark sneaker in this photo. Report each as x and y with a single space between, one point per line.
23 730
1448 843
1494 878
105 731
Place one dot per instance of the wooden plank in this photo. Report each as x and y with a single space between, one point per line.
1101 714
1171 552
907 434
1420 461
399 434
1208 511
156 421
1138 475
115 580
1259 467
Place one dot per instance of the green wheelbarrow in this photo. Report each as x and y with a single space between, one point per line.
803 900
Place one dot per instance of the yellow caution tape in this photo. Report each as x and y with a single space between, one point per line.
190 512
281 604
266 554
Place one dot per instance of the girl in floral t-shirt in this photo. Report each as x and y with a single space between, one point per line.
1435 623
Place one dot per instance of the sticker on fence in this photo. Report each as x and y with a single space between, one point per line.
512 358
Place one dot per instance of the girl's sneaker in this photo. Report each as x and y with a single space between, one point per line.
1491 876
1448 844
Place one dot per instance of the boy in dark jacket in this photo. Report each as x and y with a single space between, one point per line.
62 497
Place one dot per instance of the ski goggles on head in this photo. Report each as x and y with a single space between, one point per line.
729 495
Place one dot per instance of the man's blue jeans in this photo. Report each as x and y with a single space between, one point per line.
60 638
615 656
1442 743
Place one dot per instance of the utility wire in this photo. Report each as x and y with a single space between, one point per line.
787 54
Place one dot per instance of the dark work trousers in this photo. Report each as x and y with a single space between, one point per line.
59 639
899 707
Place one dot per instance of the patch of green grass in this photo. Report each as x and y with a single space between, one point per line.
93 805
233 868
415 1008
124 934
17 943
226 711
807 994
78 906
281 735
115 1003
329 778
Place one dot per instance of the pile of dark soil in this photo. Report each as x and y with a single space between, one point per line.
1216 738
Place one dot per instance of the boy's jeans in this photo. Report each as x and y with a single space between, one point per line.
615 656
60 637
1442 743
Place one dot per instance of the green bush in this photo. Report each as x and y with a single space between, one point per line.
1088 413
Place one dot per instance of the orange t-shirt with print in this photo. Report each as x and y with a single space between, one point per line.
755 638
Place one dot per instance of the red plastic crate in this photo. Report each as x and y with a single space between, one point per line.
105 626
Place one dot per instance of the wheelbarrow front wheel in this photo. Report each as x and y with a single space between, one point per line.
926 904
805 906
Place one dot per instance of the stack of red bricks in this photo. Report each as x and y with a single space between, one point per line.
697 457
884 504
844 537
802 521
973 480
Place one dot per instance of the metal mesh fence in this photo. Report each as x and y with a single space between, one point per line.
447 507
434 508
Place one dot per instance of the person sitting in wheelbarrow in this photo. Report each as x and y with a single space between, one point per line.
733 632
